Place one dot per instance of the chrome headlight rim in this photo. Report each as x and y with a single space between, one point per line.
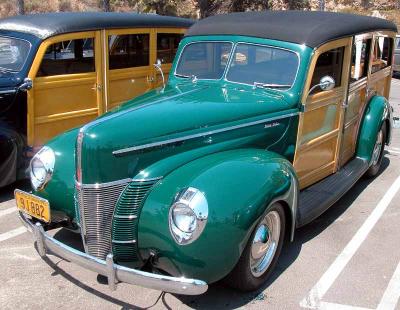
196 203
46 157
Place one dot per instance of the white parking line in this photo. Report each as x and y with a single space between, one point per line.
334 306
314 297
12 233
7 211
392 293
393 151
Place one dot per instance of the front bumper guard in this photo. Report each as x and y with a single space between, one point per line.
115 273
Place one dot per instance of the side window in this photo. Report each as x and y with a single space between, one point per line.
382 55
329 63
360 59
68 57
167 45
128 51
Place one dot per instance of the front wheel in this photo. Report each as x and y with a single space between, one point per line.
261 253
377 154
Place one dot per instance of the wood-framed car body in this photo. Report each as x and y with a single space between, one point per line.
245 150
62 95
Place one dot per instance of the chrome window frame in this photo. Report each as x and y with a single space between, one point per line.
205 41
26 59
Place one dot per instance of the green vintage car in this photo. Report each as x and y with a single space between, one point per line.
267 119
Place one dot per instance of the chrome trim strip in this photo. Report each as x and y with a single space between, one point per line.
47 244
100 185
124 242
198 135
147 180
112 183
127 217
10 91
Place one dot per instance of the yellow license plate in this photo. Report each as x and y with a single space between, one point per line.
33 205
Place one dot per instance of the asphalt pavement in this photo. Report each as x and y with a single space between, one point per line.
349 258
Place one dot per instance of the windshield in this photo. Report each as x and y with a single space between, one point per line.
13 53
263 66
204 60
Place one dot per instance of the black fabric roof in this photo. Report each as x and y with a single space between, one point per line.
50 24
309 27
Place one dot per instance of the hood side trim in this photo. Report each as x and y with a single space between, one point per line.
128 150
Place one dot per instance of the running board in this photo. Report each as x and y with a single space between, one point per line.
316 199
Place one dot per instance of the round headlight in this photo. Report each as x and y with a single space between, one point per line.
38 169
184 218
188 216
41 168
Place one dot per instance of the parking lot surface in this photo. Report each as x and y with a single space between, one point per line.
349 258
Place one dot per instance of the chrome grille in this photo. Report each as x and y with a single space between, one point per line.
96 207
125 222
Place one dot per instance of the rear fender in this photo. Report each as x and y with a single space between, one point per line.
377 112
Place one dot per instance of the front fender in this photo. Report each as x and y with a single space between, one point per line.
377 112
238 186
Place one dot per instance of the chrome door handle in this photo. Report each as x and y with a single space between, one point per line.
96 87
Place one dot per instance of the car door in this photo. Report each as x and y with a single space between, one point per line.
67 88
129 69
321 121
357 95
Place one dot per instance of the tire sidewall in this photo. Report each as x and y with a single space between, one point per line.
241 276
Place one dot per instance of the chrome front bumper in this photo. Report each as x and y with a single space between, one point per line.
114 273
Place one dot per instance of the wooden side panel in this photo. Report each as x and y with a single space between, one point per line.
356 105
319 134
57 103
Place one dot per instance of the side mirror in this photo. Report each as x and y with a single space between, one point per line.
325 83
26 85
157 65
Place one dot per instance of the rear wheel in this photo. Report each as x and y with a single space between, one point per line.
377 154
261 253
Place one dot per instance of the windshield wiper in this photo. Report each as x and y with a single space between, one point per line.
192 77
266 85
182 75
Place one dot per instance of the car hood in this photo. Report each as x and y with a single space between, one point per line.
180 110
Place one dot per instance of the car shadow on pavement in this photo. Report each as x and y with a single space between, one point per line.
7 193
219 295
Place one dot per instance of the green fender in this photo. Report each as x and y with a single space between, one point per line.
376 112
239 185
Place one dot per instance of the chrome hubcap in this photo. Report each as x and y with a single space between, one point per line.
378 148
265 243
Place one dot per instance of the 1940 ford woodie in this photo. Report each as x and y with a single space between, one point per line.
62 70
267 119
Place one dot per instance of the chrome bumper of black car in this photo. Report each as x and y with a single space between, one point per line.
115 273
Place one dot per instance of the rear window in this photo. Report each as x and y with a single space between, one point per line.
382 54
